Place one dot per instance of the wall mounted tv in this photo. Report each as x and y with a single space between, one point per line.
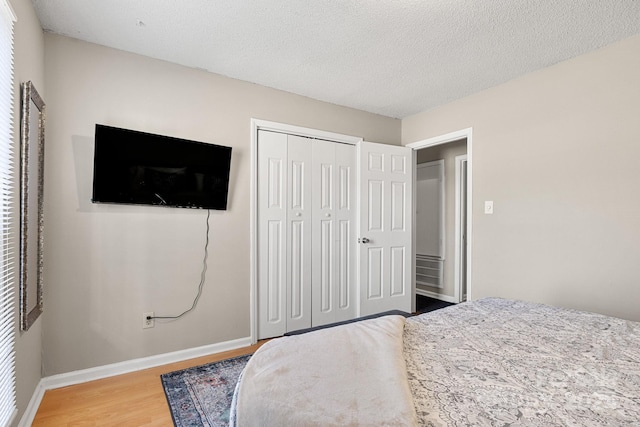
139 168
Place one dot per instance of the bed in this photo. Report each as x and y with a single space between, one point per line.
491 362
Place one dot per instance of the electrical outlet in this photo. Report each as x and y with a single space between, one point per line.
148 323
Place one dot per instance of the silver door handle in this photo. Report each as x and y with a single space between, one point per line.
363 240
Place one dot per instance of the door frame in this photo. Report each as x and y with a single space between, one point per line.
459 216
432 142
256 125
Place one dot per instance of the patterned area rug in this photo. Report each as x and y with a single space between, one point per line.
201 396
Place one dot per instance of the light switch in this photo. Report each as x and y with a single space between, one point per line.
488 207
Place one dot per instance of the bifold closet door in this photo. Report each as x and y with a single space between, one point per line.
333 292
284 233
307 260
299 239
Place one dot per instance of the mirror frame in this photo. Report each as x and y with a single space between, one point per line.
31 165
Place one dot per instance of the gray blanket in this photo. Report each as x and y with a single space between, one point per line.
349 375
497 362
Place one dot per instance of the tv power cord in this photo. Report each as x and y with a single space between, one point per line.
202 279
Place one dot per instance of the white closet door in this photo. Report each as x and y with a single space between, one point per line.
284 233
385 251
333 232
307 257
324 280
299 233
272 234
345 217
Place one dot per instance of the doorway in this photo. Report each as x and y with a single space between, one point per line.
455 150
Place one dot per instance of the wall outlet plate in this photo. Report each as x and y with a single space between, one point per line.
488 207
148 323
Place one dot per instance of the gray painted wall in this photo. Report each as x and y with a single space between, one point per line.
107 264
557 151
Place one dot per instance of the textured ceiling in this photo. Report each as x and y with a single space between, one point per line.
394 58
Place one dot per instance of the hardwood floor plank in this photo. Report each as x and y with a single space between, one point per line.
134 399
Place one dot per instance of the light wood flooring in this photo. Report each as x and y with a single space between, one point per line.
134 399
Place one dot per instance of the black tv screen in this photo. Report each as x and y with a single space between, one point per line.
139 168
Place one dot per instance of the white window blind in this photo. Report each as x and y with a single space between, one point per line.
7 324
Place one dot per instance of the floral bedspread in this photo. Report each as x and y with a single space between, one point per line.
496 362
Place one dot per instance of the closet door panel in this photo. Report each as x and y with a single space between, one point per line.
272 240
345 217
299 233
323 282
334 257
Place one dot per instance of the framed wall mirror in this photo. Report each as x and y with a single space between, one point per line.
31 204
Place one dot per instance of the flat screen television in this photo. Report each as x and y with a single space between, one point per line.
138 168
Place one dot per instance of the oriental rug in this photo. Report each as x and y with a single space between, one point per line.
201 396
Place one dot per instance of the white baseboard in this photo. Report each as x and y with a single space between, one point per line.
434 295
99 372
32 408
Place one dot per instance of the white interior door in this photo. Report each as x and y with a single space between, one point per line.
385 227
